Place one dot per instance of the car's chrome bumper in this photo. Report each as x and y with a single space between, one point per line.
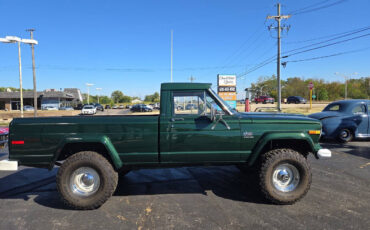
324 153
7 165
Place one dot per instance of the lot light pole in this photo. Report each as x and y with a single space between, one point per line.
14 39
88 92
98 89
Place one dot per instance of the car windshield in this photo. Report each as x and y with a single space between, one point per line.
333 107
88 107
222 101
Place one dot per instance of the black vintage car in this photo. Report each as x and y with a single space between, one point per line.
141 108
296 100
99 107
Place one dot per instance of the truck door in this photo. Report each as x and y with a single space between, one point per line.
189 135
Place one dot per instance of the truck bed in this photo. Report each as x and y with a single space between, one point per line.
133 137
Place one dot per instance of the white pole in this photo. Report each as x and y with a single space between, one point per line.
20 76
88 94
171 55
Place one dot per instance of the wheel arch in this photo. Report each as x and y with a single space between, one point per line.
102 145
301 142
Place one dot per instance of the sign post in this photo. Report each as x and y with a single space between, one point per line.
310 85
227 88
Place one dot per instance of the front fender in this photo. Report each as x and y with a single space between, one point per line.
266 138
90 139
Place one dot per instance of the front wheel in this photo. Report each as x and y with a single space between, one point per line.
345 135
285 176
86 180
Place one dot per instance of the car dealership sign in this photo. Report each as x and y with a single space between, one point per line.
227 88
226 80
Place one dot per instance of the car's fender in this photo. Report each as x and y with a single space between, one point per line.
267 137
102 139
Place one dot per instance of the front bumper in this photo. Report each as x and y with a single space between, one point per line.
323 153
7 165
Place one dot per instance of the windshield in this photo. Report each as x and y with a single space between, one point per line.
88 107
222 101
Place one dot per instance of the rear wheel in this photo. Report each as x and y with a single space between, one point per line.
285 176
86 180
345 135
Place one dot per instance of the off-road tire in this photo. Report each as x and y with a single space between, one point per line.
108 180
270 161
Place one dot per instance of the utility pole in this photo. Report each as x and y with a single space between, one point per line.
34 74
278 18
171 55
345 76
192 79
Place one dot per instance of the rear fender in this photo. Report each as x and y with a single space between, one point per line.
90 139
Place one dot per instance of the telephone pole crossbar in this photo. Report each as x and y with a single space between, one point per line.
279 28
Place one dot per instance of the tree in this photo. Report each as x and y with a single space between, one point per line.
152 98
117 96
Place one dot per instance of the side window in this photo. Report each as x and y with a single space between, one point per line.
190 103
187 103
359 109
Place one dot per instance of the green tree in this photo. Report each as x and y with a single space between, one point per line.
152 98
117 96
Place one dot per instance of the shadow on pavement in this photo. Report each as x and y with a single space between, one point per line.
358 148
224 181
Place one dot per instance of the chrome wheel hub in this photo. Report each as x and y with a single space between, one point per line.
344 134
84 181
285 177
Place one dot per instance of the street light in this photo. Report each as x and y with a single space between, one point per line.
14 39
88 92
98 89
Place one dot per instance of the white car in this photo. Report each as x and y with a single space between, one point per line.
49 108
88 110
28 108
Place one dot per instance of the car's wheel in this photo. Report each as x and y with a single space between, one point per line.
288 102
345 135
285 176
86 180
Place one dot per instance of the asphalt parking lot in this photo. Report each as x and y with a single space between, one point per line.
198 198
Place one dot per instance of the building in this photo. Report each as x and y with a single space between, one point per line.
51 97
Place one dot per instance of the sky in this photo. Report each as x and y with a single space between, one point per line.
125 45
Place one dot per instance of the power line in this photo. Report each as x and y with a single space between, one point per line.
304 11
332 39
328 36
327 56
307 7
331 44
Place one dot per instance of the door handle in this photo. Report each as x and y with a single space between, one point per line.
177 119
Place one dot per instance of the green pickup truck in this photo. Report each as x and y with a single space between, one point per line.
194 127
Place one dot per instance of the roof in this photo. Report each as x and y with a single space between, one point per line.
29 94
351 101
185 86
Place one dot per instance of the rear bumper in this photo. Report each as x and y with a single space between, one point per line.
7 165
